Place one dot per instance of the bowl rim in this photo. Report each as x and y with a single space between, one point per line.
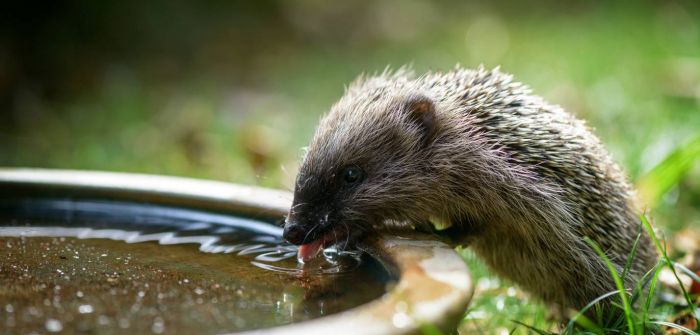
434 285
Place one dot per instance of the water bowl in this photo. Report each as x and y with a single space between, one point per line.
98 252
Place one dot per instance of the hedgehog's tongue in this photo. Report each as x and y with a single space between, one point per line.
308 251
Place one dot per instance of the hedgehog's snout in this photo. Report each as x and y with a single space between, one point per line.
295 226
303 226
294 232
298 226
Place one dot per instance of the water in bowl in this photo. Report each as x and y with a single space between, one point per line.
109 267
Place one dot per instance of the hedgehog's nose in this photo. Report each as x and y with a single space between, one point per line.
294 233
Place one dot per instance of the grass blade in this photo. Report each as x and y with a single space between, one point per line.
673 325
669 262
650 294
626 307
538 331
581 319
687 271
630 258
666 174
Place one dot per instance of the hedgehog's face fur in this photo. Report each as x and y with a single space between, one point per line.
368 162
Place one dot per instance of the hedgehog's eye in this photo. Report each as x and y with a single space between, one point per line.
352 174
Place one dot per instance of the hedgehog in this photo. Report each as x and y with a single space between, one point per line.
473 155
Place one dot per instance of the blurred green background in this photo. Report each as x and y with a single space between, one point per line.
231 90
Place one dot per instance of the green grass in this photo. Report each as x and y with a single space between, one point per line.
634 312
626 306
662 178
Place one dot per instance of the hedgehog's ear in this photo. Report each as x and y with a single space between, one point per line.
421 111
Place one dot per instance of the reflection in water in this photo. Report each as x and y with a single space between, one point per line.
133 223
262 250
79 266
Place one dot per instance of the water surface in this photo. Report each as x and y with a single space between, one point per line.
103 267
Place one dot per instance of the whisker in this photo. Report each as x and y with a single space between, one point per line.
298 205
335 236
310 231
347 236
